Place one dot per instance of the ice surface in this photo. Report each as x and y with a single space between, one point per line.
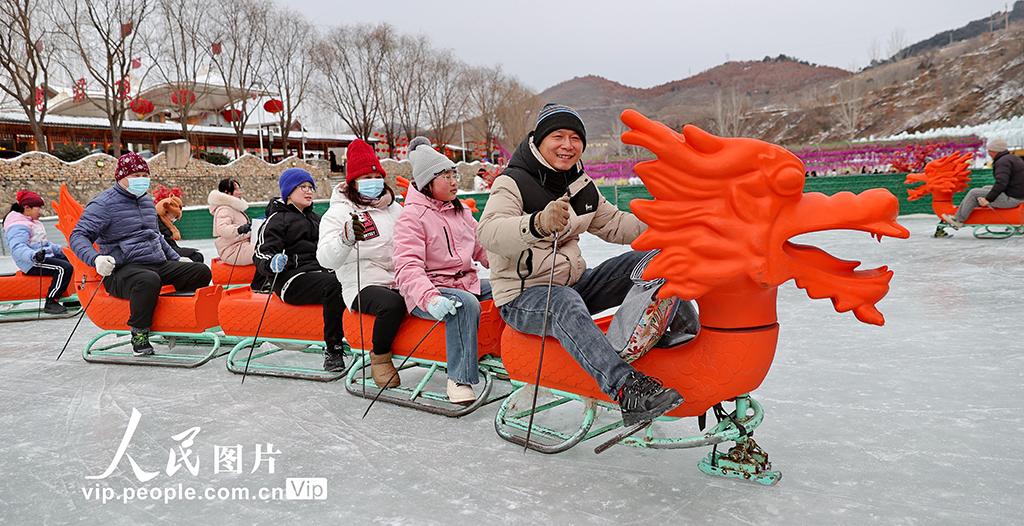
910 423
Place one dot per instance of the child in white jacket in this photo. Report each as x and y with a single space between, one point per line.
363 210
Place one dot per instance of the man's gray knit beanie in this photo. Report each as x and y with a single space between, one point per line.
427 163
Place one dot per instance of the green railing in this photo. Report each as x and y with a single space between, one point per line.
198 223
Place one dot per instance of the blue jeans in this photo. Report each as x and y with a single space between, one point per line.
460 332
570 321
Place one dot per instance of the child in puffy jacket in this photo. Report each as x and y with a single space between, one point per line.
365 195
34 255
168 210
435 246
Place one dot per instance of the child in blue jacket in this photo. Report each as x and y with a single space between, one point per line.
34 255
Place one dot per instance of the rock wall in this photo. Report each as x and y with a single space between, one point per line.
43 173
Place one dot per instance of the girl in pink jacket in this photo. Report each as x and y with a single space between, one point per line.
435 246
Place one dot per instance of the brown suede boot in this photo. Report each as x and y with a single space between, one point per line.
383 371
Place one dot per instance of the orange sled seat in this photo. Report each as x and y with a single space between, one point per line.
297 327
225 274
704 373
424 340
21 298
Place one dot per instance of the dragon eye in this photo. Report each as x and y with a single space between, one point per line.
787 181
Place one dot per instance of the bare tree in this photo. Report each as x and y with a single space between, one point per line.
850 105
874 51
486 86
289 66
896 47
240 47
518 111
102 37
445 94
181 53
26 54
407 86
727 113
349 60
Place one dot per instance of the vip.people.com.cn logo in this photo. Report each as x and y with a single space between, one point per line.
226 459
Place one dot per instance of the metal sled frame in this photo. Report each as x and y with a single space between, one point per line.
747 462
360 383
117 352
996 231
16 312
237 364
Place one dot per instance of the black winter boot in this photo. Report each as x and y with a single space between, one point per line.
644 398
334 357
140 342
54 307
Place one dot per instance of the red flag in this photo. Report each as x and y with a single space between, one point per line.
136 63
126 29
216 48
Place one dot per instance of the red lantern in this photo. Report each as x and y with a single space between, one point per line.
273 106
181 96
142 107
231 115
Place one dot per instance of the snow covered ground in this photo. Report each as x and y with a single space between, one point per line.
910 423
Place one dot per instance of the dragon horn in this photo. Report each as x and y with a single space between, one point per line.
702 141
654 136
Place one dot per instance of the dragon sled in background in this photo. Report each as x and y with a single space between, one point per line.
722 215
946 176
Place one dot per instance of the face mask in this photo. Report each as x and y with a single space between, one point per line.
371 188
138 186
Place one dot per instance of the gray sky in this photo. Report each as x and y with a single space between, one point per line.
647 43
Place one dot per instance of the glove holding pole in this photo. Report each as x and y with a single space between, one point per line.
554 217
353 231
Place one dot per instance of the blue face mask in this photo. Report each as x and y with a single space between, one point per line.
138 186
371 188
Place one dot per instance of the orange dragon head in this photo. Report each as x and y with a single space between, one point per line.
723 212
942 177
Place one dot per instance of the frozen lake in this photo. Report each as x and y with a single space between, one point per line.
902 424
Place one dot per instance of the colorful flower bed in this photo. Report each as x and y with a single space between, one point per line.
880 155
844 158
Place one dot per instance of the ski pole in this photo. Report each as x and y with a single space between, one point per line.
406 359
39 311
359 303
989 206
83 313
543 340
256 336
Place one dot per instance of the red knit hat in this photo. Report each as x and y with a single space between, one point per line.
361 161
27 198
128 164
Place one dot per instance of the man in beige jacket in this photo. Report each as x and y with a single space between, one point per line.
544 196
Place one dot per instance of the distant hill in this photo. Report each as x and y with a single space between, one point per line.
973 78
768 81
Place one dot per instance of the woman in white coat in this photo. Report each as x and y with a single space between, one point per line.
230 224
363 210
